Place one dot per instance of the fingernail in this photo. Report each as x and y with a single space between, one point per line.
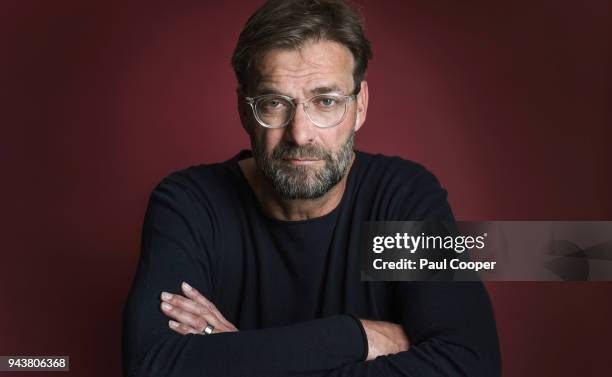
187 286
166 306
166 296
172 323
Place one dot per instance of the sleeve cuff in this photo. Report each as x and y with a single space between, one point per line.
364 337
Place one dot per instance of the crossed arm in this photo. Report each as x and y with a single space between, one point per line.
191 313
450 325
450 332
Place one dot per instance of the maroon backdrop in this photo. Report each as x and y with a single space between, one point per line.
508 104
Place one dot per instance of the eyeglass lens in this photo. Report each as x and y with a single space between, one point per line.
324 111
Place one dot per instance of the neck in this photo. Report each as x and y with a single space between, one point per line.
291 209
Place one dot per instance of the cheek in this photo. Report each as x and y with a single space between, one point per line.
331 141
268 139
338 135
351 117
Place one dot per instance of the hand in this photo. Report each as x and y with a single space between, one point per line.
193 313
384 338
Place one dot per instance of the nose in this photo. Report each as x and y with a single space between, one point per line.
300 129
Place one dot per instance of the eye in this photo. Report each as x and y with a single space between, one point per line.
326 102
272 104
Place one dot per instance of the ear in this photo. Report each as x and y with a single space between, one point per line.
362 105
243 111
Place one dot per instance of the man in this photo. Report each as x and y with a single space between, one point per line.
251 267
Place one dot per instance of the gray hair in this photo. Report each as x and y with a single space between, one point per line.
289 24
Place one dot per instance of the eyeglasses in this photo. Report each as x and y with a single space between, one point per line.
276 110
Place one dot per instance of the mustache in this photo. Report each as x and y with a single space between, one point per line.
286 151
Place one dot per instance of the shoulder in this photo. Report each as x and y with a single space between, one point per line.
394 170
408 188
200 185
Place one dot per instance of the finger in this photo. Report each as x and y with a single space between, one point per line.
186 318
197 309
181 328
178 302
198 297
185 304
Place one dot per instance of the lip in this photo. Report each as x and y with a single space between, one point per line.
299 161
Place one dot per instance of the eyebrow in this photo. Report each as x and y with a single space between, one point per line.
326 89
265 89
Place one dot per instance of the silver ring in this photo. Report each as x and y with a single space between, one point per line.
208 329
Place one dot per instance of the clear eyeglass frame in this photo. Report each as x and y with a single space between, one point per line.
253 102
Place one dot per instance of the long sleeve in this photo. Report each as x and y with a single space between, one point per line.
451 330
450 325
174 250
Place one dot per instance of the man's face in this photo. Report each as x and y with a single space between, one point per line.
301 160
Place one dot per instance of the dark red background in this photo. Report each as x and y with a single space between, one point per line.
508 104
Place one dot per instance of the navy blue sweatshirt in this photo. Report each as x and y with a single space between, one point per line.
293 288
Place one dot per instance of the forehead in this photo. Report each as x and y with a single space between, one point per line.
314 65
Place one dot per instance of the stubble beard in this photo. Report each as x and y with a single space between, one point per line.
303 181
